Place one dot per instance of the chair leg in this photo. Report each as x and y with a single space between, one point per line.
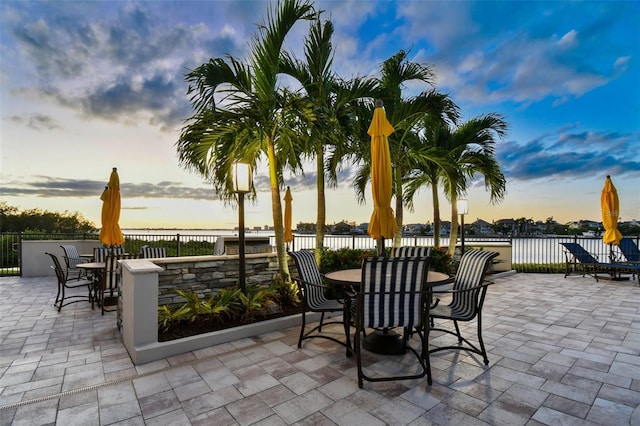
455 322
57 302
321 322
61 299
484 351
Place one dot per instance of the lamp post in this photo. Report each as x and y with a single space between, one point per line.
241 185
463 209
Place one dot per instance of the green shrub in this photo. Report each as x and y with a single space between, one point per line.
344 258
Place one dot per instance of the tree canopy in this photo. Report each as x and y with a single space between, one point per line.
13 219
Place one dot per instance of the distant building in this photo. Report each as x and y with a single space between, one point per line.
481 227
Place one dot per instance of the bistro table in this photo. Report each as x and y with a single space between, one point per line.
384 341
95 271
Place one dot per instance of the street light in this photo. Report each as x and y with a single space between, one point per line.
463 208
241 185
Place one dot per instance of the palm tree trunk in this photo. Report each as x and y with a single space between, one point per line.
322 209
436 215
453 236
276 206
397 238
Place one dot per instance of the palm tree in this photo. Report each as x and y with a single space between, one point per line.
405 115
331 99
253 118
471 147
427 172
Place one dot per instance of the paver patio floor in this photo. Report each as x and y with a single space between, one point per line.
561 351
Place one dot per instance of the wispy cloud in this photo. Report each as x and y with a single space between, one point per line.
47 186
571 155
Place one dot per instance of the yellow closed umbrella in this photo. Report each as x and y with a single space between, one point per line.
110 234
383 223
288 233
610 205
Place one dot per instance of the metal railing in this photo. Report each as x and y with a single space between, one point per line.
528 254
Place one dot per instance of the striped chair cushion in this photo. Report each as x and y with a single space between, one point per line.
473 266
153 252
311 278
391 291
408 251
100 253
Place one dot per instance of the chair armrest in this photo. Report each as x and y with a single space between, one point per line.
301 284
466 290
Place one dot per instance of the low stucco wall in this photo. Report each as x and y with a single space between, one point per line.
35 263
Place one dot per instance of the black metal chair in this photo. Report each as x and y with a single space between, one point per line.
108 290
72 259
100 253
409 251
64 284
147 252
312 290
468 294
394 293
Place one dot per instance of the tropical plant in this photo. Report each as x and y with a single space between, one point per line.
255 301
242 114
168 317
470 150
285 292
332 100
193 305
405 114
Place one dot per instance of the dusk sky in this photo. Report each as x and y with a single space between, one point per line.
91 85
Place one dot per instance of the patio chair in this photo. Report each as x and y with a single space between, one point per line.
109 284
100 253
64 284
147 252
630 250
312 290
409 251
467 297
394 293
577 257
72 259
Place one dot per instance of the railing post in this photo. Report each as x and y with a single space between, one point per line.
178 244
20 252
353 241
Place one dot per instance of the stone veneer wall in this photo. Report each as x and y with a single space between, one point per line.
207 274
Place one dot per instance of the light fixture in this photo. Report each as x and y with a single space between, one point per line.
241 185
463 209
241 177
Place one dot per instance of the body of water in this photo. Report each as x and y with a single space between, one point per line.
524 249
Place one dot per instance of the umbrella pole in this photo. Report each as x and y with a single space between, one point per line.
381 247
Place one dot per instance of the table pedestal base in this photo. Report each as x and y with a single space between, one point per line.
384 342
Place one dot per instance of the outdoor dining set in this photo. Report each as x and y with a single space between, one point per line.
96 272
398 292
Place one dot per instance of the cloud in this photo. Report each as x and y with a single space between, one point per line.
47 186
125 67
483 62
38 122
571 155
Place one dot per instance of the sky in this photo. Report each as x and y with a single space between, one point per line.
90 85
